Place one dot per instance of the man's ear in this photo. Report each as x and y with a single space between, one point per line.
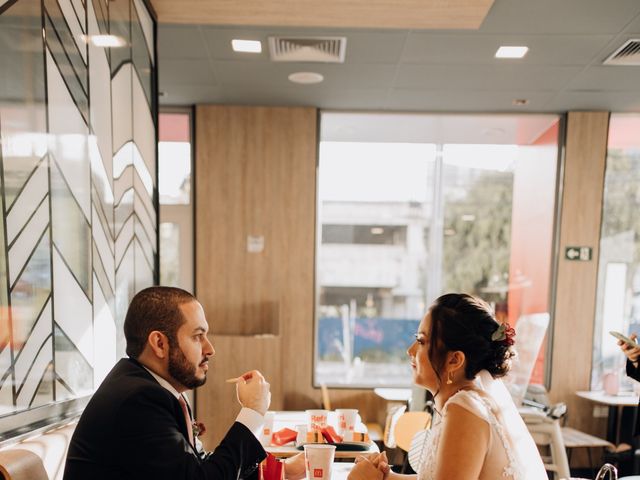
159 344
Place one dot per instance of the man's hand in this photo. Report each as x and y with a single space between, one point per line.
294 467
632 353
253 391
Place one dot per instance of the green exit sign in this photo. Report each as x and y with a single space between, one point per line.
579 254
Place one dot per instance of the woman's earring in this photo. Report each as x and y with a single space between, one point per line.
449 378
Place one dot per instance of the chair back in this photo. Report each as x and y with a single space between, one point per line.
530 332
326 400
408 425
393 414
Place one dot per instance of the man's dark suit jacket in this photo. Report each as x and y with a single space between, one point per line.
634 372
133 428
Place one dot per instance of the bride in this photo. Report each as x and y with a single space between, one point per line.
459 354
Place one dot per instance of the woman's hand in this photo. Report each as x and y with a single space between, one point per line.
294 467
365 469
632 353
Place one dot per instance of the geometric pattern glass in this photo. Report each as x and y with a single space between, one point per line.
78 236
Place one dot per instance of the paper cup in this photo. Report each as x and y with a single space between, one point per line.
317 419
318 460
267 429
347 420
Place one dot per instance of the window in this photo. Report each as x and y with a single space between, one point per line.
412 206
618 294
176 199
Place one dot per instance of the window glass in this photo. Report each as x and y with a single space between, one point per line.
413 206
618 294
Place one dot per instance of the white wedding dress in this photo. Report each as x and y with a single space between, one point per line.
511 452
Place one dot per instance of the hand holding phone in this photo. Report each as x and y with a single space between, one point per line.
624 339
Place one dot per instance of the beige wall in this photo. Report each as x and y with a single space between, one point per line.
256 175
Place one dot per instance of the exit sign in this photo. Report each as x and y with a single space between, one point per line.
580 254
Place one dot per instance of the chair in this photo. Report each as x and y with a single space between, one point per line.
408 425
20 464
373 429
546 432
393 415
411 425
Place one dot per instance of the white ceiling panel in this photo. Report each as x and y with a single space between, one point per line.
480 49
402 69
580 17
499 77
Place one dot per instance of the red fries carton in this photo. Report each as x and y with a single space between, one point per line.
284 436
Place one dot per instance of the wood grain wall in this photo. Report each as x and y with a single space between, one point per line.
580 220
255 174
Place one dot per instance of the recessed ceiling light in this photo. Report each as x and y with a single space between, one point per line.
306 77
520 101
512 52
377 230
105 41
246 46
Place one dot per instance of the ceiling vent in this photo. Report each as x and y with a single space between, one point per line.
307 49
627 54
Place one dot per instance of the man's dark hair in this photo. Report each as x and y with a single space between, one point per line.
154 308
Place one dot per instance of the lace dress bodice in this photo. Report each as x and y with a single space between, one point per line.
499 461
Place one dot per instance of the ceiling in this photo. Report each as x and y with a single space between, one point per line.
434 70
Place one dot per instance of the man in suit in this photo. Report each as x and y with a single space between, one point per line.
138 424
633 370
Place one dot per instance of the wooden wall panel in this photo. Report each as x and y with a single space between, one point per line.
217 405
256 175
419 14
580 221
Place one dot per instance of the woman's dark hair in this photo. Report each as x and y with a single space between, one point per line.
460 322
154 308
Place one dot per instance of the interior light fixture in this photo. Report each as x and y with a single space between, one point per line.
511 52
246 46
306 78
377 230
105 41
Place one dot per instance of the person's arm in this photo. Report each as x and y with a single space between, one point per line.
463 445
152 445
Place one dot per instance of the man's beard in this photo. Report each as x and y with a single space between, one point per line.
183 371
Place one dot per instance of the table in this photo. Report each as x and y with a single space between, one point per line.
290 419
340 470
394 394
616 404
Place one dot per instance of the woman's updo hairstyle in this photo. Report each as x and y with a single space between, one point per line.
465 323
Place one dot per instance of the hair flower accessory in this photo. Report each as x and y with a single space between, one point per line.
504 334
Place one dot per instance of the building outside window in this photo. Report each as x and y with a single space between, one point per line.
412 206
175 156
